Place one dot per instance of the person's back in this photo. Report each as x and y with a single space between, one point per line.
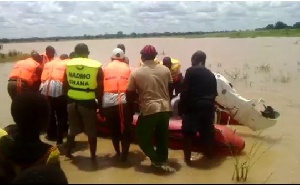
196 104
201 84
84 84
25 75
52 80
115 107
25 149
152 81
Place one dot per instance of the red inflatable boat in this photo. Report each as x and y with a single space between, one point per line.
227 141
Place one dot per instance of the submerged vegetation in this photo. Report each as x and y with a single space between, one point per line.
12 56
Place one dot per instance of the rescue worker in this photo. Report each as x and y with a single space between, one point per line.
197 105
30 112
52 87
84 84
25 75
115 109
122 47
174 66
151 82
48 55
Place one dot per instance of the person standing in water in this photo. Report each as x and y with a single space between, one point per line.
115 108
52 88
197 105
151 82
84 84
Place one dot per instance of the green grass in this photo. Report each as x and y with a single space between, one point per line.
251 34
13 56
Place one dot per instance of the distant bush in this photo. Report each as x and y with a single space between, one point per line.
13 56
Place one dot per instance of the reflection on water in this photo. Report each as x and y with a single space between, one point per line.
280 164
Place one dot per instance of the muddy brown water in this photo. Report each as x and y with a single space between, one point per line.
278 85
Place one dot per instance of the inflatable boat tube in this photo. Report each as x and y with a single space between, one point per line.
227 141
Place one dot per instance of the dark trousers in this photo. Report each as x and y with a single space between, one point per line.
59 118
175 86
12 88
158 125
201 121
113 119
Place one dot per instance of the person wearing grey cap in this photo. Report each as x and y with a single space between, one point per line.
84 85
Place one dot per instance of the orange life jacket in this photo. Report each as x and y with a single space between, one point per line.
116 76
25 70
54 70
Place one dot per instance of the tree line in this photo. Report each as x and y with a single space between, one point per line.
120 34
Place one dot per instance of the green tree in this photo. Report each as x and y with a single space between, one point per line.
296 25
280 25
270 26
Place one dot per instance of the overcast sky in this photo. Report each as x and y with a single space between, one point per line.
46 18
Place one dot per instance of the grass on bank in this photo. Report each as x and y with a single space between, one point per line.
13 56
250 34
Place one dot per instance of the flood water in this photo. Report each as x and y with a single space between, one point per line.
279 154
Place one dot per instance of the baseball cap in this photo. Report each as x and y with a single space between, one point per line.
149 50
118 54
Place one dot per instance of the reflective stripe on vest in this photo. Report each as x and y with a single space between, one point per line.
25 70
54 70
82 78
116 77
